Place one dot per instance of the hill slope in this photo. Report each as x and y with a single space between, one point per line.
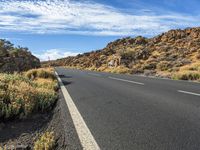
16 58
174 54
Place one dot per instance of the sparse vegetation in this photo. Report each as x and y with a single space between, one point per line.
189 75
45 142
20 95
163 65
16 58
188 72
40 73
164 55
119 69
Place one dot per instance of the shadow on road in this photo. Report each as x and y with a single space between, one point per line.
66 83
64 76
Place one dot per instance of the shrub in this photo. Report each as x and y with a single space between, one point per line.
120 69
31 74
192 67
45 142
163 65
45 99
190 75
149 66
21 96
40 73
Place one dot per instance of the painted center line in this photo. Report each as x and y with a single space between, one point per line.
94 74
126 80
191 93
85 136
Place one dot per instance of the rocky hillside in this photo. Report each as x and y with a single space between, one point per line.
16 58
174 54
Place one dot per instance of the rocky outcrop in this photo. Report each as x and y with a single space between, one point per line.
14 59
165 53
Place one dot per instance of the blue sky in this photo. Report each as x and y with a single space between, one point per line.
59 28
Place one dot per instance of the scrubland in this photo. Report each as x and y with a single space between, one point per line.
25 94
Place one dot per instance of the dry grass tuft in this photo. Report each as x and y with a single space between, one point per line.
119 69
20 96
188 72
40 73
187 75
45 142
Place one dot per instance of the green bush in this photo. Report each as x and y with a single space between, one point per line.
45 99
21 96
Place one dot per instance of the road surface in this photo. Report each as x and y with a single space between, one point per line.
127 112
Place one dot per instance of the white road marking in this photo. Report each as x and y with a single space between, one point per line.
126 80
85 136
191 93
94 74
163 78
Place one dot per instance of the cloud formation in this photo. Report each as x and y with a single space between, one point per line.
85 17
54 54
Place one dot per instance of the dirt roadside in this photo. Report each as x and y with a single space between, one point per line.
23 133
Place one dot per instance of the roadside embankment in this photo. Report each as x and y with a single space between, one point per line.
31 115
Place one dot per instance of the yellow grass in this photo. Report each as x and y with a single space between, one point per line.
191 67
119 69
21 96
45 142
187 75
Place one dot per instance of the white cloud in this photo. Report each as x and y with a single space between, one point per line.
84 17
54 54
11 38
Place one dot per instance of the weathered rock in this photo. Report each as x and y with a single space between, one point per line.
16 59
166 52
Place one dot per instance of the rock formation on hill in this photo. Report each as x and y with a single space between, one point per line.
16 59
176 52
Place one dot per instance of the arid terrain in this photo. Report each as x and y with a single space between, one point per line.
30 109
99 75
33 110
174 54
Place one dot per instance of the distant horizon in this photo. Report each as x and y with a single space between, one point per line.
61 28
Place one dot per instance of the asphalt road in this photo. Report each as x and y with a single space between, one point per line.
125 112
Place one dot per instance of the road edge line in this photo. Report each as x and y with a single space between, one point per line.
85 136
